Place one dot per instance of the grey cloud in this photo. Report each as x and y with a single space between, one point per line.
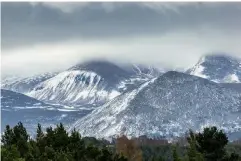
25 24
54 36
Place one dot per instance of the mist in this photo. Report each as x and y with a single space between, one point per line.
172 50
38 38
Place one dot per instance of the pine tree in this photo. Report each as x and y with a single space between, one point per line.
175 154
49 136
105 155
212 143
62 156
234 157
160 158
40 139
34 149
57 146
20 138
29 157
192 153
76 145
7 137
20 133
9 153
60 137
50 152
40 133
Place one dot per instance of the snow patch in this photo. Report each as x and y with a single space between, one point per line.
198 71
232 78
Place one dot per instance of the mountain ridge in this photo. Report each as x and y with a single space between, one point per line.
90 83
14 99
165 106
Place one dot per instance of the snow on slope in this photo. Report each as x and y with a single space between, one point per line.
167 106
218 68
198 69
81 87
25 84
232 78
90 83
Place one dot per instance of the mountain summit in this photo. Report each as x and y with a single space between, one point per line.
91 83
105 69
219 68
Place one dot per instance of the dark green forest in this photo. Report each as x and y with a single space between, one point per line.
56 144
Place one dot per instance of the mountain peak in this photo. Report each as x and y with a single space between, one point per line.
218 67
92 64
103 68
220 55
222 58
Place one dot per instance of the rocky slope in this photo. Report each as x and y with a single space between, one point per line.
165 106
26 84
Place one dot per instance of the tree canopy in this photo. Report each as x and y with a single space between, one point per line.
55 144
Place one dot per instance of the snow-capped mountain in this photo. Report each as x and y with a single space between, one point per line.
165 106
91 83
26 84
106 70
74 87
218 68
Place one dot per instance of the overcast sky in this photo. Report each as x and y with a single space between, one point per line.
43 37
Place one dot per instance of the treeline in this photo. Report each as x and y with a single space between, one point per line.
55 144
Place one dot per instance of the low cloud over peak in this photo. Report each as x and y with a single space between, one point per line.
168 34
